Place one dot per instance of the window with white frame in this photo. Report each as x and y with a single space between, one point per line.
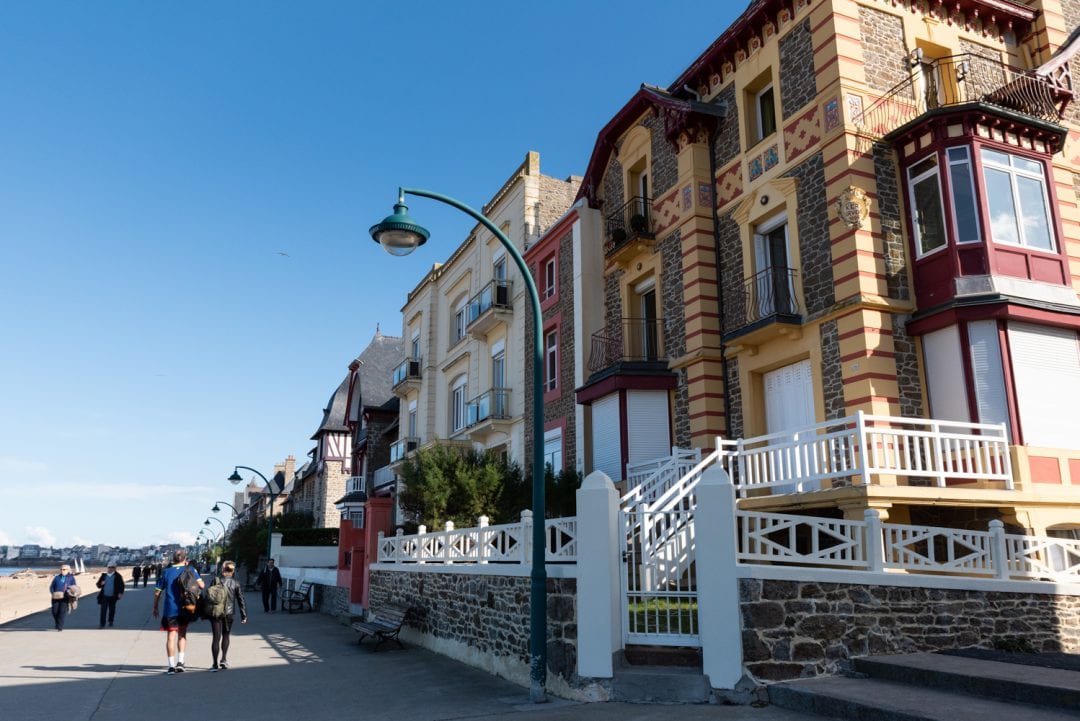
458 392
553 449
927 216
414 345
1017 200
498 268
551 360
411 424
765 108
964 204
457 328
549 277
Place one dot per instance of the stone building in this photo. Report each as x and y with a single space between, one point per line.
845 206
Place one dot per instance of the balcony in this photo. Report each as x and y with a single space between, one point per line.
629 229
488 308
765 298
355 484
400 450
406 376
635 343
383 477
967 79
488 413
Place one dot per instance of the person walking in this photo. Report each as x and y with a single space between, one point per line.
146 574
58 589
111 584
222 607
135 573
174 619
270 582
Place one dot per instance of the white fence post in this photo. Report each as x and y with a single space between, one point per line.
446 542
420 531
481 540
378 549
599 606
399 542
865 454
526 537
718 580
875 543
999 554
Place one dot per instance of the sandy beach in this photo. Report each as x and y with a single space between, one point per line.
27 594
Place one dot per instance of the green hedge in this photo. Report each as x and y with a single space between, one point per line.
309 537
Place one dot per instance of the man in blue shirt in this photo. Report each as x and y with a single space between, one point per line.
174 620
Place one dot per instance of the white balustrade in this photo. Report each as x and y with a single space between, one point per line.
483 544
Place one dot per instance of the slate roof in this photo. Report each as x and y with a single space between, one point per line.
374 374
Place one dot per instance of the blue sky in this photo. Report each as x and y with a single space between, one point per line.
157 159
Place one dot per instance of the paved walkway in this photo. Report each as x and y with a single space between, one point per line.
302 666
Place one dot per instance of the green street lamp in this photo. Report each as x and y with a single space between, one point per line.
399 235
224 529
217 508
235 479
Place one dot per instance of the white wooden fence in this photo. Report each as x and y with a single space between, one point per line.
506 543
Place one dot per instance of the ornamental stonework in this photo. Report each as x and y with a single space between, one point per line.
853 207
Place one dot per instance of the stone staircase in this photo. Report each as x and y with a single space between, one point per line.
659 674
936 687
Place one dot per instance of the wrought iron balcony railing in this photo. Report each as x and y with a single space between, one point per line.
765 295
633 220
496 294
402 448
967 78
632 340
492 405
407 370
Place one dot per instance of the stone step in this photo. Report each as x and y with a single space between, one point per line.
978 677
660 684
869 699
636 655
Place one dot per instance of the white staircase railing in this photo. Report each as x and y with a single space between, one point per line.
648 479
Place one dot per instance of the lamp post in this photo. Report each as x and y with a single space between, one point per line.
399 235
224 529
217 507
235 478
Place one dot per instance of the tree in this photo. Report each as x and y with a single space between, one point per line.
247 541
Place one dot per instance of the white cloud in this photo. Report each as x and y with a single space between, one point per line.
40 535
182 537
5 539
21 465
80 541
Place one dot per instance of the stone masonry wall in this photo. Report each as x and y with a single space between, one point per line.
556 196
794 629
487 613
888 207
665 161
815 247
735 422
674 314
727 138
730 273
907 369
332 600
798 77
883 51
832 380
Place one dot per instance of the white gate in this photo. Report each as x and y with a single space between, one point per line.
659 578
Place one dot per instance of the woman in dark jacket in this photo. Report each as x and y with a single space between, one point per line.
59 591
222 626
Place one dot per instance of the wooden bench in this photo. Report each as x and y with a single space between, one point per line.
296 598
384 624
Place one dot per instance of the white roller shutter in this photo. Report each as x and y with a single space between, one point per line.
648 431
1046 371
989 378
606 438
789 398
945 381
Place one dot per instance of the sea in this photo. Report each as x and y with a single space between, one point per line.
8 570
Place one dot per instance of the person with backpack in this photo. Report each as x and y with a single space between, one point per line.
180 586
222 599
269 581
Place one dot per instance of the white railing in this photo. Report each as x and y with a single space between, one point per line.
776 538
648 479
505 543
354 484
856 449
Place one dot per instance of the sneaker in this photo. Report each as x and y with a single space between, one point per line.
214 668
172 669
223 666
179 668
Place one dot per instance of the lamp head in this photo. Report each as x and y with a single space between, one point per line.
235 478
398 233
216 508
206 522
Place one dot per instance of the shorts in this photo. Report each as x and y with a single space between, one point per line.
174 623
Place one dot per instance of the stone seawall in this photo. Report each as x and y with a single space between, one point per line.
483 620
795 629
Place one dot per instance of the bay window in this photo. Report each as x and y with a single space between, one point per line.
1016 200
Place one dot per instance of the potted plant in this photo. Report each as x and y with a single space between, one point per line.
638 223
618 235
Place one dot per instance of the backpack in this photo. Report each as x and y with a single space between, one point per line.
187 584
217 599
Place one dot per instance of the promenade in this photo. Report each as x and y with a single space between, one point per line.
282 666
